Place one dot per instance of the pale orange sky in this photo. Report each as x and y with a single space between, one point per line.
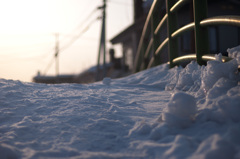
28 27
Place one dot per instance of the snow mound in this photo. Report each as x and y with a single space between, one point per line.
215 147
190 112
235 53
8 152
107 81
181 110
216 70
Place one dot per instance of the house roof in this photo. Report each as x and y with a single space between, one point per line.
126 34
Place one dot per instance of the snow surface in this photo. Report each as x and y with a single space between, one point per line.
158 113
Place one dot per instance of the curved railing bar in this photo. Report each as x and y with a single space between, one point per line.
150 62
194 57
147 21
178 5
139 48
143 33
185 58
221 20
164 43
164 19
212 57
183 29
201 21
148 48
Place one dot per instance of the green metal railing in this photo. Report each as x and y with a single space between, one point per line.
154 23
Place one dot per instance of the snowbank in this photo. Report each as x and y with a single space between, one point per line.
158 113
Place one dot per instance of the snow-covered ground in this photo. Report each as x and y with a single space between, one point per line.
158 113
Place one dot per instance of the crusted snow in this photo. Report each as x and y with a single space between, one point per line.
191 112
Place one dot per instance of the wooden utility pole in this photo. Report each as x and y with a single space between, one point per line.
138 9
102 45
57 53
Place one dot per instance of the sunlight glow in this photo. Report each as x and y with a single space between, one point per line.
28 28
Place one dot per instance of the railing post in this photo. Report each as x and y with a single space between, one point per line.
156 37
172 26
201 33
141 56
142 64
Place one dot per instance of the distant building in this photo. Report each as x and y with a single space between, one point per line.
54 79
114 69
129 38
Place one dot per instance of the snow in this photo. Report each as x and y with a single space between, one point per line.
190 112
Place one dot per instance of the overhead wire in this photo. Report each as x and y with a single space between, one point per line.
84 21
49 66
78 36
75 38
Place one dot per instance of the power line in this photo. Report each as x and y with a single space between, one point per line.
84 21
78 36
74 39
69 44
49 66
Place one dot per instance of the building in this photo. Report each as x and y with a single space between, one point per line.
129 38
114 69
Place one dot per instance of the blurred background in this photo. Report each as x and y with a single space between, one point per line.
58 41
31 30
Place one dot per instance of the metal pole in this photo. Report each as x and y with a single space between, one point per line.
172 27
104 38
156 37
102 45
57 53
201 33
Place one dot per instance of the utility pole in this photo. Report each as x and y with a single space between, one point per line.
57 53
102 45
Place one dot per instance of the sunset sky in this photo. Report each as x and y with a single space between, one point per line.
28 29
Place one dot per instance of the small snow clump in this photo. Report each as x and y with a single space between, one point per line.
234 53
181 110
107 81
216 70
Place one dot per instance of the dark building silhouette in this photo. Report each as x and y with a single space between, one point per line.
129 38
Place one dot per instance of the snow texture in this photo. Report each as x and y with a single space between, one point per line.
164 113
